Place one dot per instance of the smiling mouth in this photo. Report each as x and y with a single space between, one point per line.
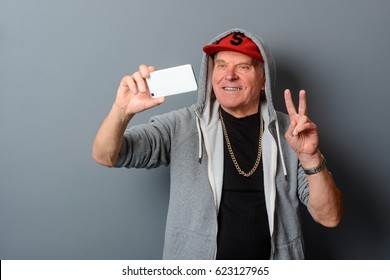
231 88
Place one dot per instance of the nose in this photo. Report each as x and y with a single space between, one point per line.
231 75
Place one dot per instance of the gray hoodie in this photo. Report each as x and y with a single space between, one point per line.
190 140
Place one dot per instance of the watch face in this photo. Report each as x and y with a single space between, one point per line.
316 169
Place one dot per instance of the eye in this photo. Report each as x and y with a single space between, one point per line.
244 67
220 65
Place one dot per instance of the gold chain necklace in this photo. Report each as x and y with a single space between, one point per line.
229 146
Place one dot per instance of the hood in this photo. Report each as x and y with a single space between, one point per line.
210 130
207 104
206 97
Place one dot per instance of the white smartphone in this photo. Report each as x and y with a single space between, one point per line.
170 81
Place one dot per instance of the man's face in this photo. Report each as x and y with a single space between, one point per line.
237 82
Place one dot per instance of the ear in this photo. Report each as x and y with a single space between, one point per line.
262 73
263 82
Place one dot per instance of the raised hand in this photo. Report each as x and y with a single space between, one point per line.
133 94
302 135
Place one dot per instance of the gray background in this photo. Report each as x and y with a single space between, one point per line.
60 65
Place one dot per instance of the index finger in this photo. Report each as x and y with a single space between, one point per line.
289 103
145 70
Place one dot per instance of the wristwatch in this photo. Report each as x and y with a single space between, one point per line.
316 169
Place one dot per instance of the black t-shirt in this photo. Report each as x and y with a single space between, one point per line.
243 231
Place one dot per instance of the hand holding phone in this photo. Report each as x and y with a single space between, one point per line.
170 81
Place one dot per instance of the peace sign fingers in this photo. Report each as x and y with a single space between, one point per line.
302 135
302 111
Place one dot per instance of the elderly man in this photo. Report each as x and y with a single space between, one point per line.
239 169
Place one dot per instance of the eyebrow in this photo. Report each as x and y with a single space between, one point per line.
250 62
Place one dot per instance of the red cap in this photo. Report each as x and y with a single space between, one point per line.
236 42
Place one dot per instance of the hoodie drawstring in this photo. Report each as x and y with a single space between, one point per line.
200 150
280 147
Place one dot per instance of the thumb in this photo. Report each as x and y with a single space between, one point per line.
152 102
160 100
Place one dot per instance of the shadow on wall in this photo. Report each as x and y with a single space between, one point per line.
363 231
362 234
317 237
285 80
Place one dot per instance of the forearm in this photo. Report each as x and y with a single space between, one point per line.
108 140
325 199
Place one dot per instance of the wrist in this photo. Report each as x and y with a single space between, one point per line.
121 113
310 160
314 169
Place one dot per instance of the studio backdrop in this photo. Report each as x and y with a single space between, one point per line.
60 66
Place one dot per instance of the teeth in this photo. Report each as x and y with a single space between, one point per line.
231 88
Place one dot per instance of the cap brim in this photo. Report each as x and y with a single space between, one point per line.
213 49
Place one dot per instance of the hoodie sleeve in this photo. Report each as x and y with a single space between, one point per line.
145 146
303 187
